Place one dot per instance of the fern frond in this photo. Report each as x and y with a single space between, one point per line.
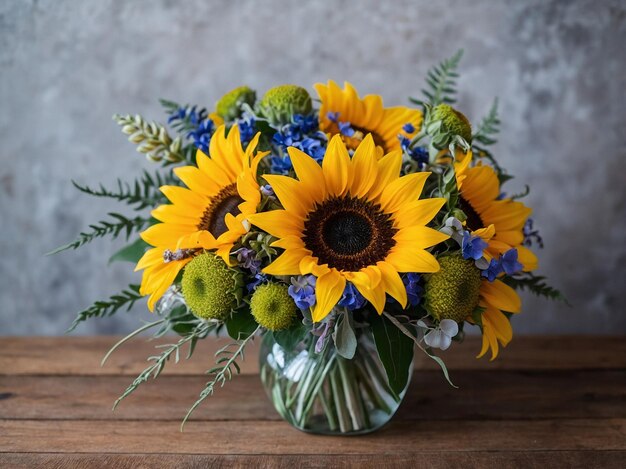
143 192
535 284
170 350
120 224
441 81
227 366
126 298
489 127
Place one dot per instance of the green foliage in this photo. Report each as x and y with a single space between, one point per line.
120 224
441 81
159 361
143 192
535 284
289 338
152 138
240 324
130 253
489 127
395 350
344 336
226 367
126 298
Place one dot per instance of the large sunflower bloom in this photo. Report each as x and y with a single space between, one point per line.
222 191
499 222
351 220
365 116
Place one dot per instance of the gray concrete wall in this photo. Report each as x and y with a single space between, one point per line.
66 66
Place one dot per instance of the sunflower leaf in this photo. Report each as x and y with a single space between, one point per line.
395 350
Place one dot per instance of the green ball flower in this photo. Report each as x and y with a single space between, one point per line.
272 307
210 288
452 293
452 121
229 105
281 102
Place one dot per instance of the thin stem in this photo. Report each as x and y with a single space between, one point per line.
130 336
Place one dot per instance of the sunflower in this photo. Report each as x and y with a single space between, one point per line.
458 288
499 222
365 116
210 214
351 220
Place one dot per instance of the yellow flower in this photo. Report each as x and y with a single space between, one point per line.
496 297
351 220
365 116
499 222
210 214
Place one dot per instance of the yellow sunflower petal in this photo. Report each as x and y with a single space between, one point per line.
403 190
164 234
364 167
181 196
197 180
279 223
151 257
291 193
501 325
336 166
527 258
419 237
392 283
413 261
309 173
500 296
213 171
328 290
288 263
418 213
388 170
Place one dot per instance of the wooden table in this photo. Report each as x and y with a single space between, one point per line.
546 402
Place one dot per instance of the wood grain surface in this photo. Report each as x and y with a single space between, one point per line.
546 401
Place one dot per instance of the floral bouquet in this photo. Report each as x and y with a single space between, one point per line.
342 232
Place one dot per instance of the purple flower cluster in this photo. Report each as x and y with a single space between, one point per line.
302 290
472 246
351 298
507 263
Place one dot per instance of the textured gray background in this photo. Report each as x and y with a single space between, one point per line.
66 66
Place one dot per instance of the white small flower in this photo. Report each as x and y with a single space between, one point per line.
441 336
453 228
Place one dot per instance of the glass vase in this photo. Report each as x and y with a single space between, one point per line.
325 393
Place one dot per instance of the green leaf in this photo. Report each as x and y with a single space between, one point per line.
395 351
240 324
344 337
130 253
289 338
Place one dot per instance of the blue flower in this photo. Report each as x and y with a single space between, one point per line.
414 290
258 280
352 298
267 190
201 136
248 259
189 114
531 235
472 246
302 290
408 128
247 128
280 165
419 154
333 116
345 128
509 262
494 269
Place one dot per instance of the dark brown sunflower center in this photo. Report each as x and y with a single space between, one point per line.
473 222
226 201
349 233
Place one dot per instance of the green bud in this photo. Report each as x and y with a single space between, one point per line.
211 289
453 292
272 307
229 105
452 121
280 103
